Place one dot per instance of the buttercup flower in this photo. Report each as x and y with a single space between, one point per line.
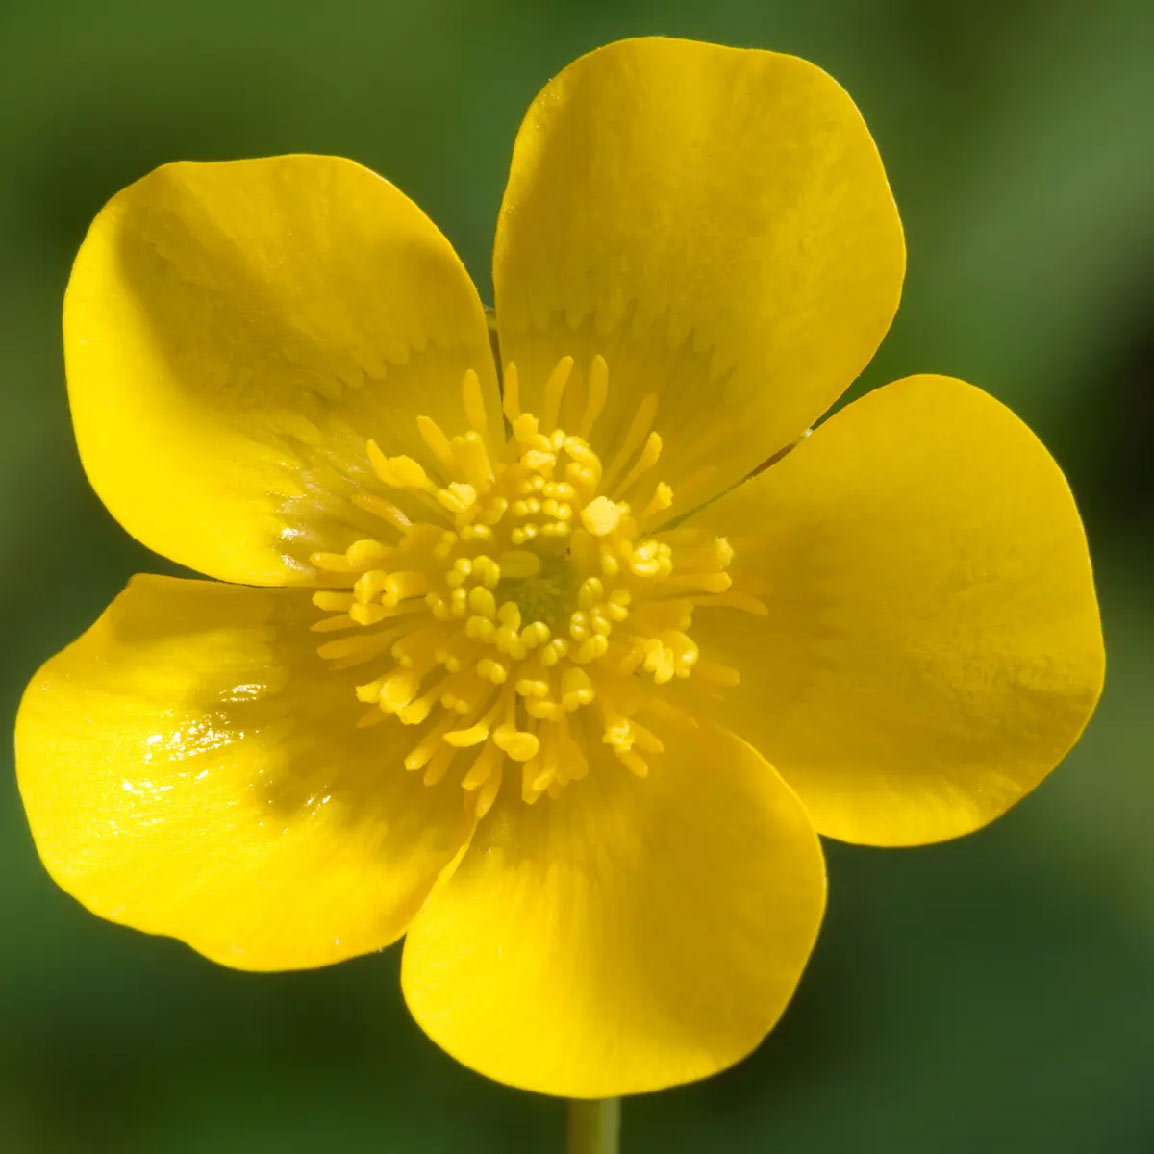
529 659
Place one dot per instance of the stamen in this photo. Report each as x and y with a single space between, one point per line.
432 435
333 624
475 403
399 472
554 390
638 430
510 401
660 501
598 392
380 507
649 457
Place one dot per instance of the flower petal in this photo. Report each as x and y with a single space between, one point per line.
190 769
717 223
932 645
627 935
234 332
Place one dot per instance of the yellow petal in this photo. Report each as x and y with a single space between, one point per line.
932 645
190 769
627 935
717 223
234 332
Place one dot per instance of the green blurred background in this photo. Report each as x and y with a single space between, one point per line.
991 994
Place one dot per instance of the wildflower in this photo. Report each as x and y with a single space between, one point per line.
544 672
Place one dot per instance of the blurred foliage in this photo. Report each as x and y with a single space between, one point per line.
993 993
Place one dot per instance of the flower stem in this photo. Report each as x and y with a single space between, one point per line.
594 1126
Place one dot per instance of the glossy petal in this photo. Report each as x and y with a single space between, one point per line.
717 223
932 646
628 935
233 333
190 769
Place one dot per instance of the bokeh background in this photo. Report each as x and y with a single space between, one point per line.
992 994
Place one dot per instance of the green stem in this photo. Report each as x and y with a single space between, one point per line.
594 1126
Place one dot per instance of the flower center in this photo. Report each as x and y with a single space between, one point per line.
518 605
550 596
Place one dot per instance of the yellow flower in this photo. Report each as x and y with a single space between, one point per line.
546 676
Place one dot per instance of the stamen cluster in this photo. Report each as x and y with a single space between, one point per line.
514 601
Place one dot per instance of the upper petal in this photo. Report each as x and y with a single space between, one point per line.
931 647
715 222
234 332
190 769
627 935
